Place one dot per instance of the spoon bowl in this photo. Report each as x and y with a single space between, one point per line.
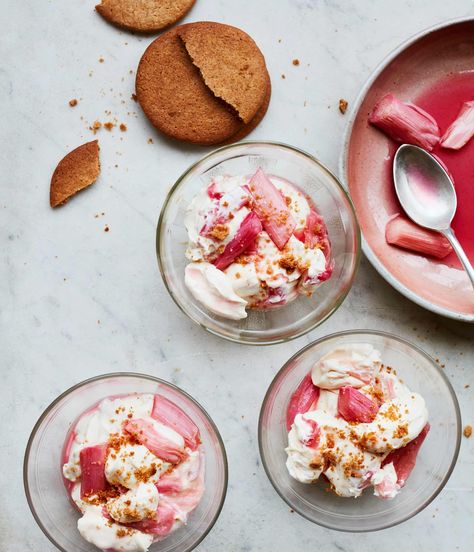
427 194
424 188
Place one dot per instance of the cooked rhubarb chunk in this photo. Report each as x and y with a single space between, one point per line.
92 469
224 209
243 239
272 209
160 525
354 406
170 415
158 439
461 129
315 233
404 459
405 122
302 399
404 233
312 439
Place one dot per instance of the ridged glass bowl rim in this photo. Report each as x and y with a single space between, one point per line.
215 153
410 345
113 375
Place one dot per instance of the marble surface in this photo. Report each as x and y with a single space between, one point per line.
77 301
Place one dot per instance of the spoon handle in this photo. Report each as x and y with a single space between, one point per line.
460 253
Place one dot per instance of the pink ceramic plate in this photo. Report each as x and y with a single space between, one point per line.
412 73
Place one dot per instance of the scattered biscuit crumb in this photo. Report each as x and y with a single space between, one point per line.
109 125
283 76
467 386
101 60
342 105
296 62
123 127
95 126
150 140
73 102
134 97
106 228
467 431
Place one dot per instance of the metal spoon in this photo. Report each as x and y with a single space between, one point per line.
426 192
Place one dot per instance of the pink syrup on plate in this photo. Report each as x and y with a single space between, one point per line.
444 101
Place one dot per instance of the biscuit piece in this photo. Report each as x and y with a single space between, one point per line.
76 171
144 16
230 62
188 102
247 129
175 98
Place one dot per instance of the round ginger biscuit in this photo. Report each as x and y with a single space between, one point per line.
230 62
178 101
175 98
144 16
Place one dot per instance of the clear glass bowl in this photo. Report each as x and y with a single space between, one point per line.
301 315
436 458
44 487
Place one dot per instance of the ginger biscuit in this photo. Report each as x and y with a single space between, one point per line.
208 97
230 63
76 171
247 129
144 16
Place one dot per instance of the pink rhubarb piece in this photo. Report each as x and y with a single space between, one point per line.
305 396
224 208
92 461
212 192
186 499
160 525
404 233
461 130
312 440
387 488
404 459
354 406
146 433
313 235
272 209
243 239
405 122
167 413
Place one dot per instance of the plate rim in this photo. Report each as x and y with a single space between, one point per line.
343 168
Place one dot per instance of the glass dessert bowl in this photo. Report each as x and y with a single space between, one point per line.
98 484
400 471
258 243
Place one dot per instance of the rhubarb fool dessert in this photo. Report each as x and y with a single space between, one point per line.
134 467
355 423
255 242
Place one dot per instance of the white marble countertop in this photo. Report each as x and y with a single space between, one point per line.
77 302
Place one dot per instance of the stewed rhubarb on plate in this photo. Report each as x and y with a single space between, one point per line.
435 72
